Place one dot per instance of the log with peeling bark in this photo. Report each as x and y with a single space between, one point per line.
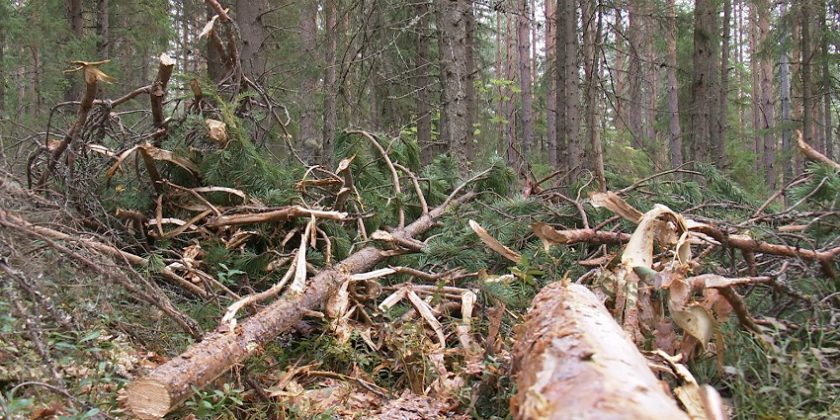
572 360
170 384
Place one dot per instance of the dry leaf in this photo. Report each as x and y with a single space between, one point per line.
696 321
494 244
615 204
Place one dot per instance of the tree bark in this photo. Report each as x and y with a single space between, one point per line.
826 82
170 384
634 75
704 78
767 107
249 15
572 360
103 29
308 29
551 82
422 68
784 98
572 90
523 31
805 71
592 49
330 88
719 145
452 18
73 11
215 52
675 139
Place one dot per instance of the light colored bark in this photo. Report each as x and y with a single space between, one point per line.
572 360
551 84
767 106
330 88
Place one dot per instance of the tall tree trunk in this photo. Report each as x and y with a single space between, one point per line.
562 106
807 88
471 146
422 69
249 15
784 97
572 99
523 30
826 82
703 80
330 88
103 29
592 49
767 107
551 84
308 30
757 38
73 12
514 149
719 146
635 35
452 17
675 138
619 75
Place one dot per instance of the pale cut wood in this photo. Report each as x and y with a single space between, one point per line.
573 361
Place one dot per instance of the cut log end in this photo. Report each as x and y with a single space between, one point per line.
148 399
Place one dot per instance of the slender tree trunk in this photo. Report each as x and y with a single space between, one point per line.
514 148
767 108
470 142
593 52
826 82
561 86
784 97
330 88
453 25
619 71
572 98
719 146
675 139
551 84
422 69
807 88
635 35
703 81
308 30
103 29
35 50
757 38
523 30
249 15
75 19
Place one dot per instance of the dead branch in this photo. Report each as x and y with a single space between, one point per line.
10 220
572 360
274 215
573 236
171 383
813 155
84 109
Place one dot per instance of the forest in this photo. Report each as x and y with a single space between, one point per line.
425 209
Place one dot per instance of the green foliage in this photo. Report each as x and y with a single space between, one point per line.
217 403
821 189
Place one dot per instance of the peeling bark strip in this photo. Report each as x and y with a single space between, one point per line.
170 384
572 360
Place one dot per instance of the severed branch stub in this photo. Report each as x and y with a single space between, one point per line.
572 360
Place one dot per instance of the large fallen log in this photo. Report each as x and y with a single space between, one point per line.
572 360
170 384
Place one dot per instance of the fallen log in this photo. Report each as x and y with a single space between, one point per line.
814 155
572 360
170 384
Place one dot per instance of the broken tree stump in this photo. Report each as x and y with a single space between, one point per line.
170 384
572 360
